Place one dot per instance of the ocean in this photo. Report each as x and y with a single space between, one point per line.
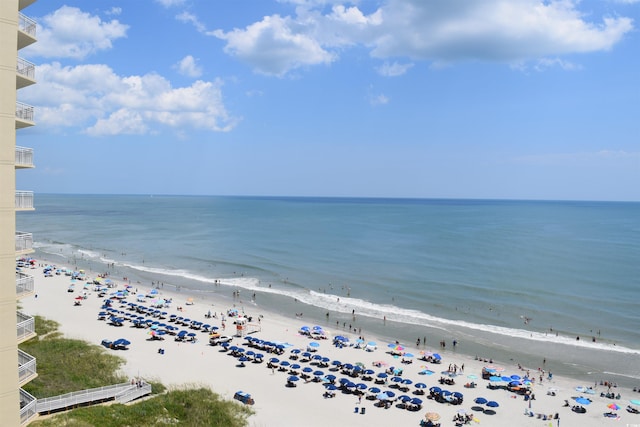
516 281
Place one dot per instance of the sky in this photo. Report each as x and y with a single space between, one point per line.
483 99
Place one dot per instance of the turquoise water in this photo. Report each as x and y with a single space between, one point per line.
519 279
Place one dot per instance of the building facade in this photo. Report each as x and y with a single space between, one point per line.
16 367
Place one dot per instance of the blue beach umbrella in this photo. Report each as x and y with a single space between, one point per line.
307 369
416 401
420 386
404 398
583 401
493 404
295 366
293 378
374 390
331 387
480 400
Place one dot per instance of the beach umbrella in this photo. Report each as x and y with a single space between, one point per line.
285 363
361 386
396 379
390 394
404 398
416 401
330 386
492 404
368 372
243 359
436 356
318 373
432 416
331 378
372 344
314 344
317 357
582 400
373 390
295 351
613 406
515 377
420 385
408 355
506 379
307 369
336 363
274 360
495 379
382 396
407 381
293 378
480 400
293 366
382 375
435 389
635 402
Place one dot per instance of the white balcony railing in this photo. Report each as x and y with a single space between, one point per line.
27 25
24 157
24 241
26 367
24 200
28 408
26 68
26 326
24 284
24 112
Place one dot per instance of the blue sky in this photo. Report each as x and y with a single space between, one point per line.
513 99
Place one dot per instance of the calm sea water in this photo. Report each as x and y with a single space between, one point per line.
514 280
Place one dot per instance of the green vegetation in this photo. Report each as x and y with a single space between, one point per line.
66 365
187 407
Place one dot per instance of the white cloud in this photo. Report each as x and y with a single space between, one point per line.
393 70
170 3
275 46
187 66
440 31
114 11
70 33
101 102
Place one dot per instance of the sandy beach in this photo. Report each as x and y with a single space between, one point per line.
276 404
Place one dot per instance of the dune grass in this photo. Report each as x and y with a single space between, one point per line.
66 365
186 407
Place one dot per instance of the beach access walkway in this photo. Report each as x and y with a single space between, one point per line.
120 393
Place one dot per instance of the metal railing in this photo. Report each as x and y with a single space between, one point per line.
24 199
27 407
26 366
25 284
24 156
24 241
26 68
133 393
27 25
24 111
25 325
121 392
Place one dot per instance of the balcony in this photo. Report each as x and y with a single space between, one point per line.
26 31
27 407
26 367
24 243
24 284
25 73
25 3
24 115
24 157
24 200
26 327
